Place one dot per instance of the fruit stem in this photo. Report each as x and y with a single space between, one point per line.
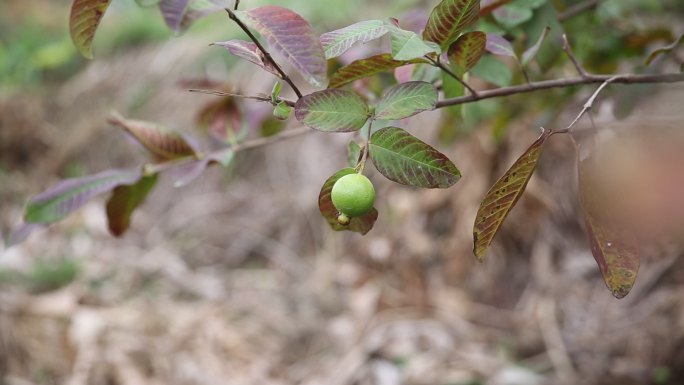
364 156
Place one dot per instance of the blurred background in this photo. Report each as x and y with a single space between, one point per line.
237 279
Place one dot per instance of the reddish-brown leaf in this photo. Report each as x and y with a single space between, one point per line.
250 52
162 142
364 68
448 19
467 50
615 248
505 193
291 36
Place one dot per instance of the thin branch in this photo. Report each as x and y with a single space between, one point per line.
590 103
250 144
364 156
578 9
568 51
237 4
263 50
437 63
560 83
253 97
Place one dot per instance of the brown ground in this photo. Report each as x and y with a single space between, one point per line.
239 281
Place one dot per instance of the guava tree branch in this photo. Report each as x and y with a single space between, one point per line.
578 9
264 51
247 145
561 83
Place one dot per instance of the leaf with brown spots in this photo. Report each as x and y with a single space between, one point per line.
615 248
83 22
505 193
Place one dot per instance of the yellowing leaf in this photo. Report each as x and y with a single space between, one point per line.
505 193
83 22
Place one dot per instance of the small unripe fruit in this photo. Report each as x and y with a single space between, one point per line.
353 195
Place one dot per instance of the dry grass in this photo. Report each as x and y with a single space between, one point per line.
239 281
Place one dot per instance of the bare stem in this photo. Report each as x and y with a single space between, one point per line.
263 50
568 51
590 103
561 83
437 63
250 144
253 97
364 156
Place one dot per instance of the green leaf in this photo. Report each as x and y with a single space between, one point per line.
69 195
364 68
407 45
333 110
124 200
275 92
448 19
615 249
493 70
282 111
664 50
512 15
531 52
161 141
83 22
405 159
465 52
353 153
503 196
406 99
293 37
362 224
337 42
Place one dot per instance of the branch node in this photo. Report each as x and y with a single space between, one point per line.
571 56
267 55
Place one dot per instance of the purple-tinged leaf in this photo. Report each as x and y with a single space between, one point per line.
531 52
69 195
337 42
448 19
173 11
21 233
199 8
664 50
291 36
503 196
332 110
161 141
465 52
83 22
615 248
405 100
124 200
407 45
248 51
497 45
364 68
362 224
405 159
